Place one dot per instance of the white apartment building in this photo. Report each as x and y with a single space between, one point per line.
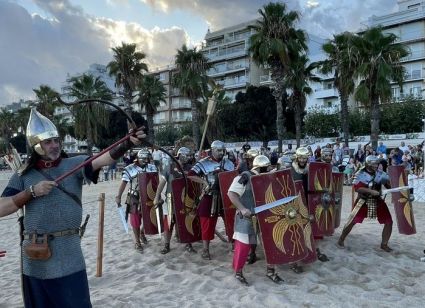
408 24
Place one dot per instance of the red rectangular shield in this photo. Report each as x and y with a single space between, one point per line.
225 180
337 189
148 183
312 254
285 229
401 200
187 221
320 202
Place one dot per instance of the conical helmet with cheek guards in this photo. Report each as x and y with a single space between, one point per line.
39 128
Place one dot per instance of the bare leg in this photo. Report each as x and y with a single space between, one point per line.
386 234
206 250
345 232
137 243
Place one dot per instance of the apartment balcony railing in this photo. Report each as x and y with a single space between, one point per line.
413 75
180 105
325 93
414 55
265 79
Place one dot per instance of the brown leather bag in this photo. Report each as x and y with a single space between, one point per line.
38 249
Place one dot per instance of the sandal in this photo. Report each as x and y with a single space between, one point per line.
321 256
189 248
296 268
386 248
143 238
206 254
273 276
166 249
239 276
252 258
138 247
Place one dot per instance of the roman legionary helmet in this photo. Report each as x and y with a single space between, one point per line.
143 155
371 163
39 128
251 153
302 153
218 149
326 155
260 161
184 154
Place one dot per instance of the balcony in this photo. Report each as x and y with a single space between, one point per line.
415 55
180 105
325 93
265 80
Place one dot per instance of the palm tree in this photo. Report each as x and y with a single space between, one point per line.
127 67
47 101
341 59
152 92
379 65
6 128
189 78
274 44
89 118
299 75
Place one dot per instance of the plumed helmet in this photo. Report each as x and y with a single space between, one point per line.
302 152
184 151
260 161
39 128
143 154
251 153
217 145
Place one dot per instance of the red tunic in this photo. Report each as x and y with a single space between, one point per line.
382 212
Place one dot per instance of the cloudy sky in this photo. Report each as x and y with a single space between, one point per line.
42 41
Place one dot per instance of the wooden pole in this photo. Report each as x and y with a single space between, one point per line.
204 133
99 262
210 111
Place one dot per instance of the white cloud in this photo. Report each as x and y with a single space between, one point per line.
35 50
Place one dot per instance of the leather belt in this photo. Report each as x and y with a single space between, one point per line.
52 235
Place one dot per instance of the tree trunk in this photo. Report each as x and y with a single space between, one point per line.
374 122
344 118
195 123
277 77
151 133
298 126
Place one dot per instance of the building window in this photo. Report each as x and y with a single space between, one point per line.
328 104
162 76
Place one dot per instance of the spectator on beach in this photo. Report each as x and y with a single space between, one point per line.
360 154
156 156
337 155
113 170
317 153
381 148
403 147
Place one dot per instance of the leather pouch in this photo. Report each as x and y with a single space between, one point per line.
39 248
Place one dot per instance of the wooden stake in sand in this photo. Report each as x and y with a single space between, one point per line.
100 235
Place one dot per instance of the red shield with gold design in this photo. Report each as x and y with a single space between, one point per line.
337 188
148 183
401 200
225 180
285 229
320 199
187 221
312 254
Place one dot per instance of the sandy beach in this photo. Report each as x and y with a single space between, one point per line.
361 275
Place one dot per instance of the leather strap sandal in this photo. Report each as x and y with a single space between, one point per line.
240 277
273 276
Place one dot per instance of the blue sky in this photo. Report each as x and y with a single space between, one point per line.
44 41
